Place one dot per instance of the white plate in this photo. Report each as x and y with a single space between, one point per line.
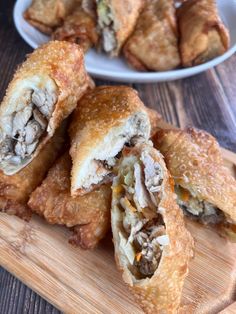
99 65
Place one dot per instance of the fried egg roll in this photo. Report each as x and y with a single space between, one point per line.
203 36
152 246
45 15
80 28
206 191
154 43
15 189
44 91
104 121
88 215
116 21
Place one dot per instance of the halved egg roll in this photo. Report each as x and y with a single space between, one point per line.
152 246
88 215
80 28
116 21
105 119
206 191
44 91
154 42
15 189
45 15
203 36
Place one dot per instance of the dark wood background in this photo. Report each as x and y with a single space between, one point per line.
206 101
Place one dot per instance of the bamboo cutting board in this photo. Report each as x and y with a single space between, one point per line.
78 281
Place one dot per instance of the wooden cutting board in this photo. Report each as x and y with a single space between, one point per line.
78 281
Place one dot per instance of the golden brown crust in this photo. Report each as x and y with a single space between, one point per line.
162 292
98 112
89 214
45 15
194 160
80 28
63 63
16 189
15 208
154 43
203 36
125 14
88 236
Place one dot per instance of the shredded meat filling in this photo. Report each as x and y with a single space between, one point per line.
106 25
202 211
27 126
143 226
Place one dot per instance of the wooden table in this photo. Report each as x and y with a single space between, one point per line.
206 101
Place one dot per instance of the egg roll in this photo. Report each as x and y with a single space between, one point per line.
105 119
203 36
154 42
45 15
206 191
152 246
15 189
116 21
44 91
88 216
80 28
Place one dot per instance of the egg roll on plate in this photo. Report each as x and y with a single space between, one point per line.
154 42
206 191
44 91
80 28
152 246
203 36
88 215
45 15
105 119
15 189
116 21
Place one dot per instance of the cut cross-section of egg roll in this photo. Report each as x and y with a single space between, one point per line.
206 191
44 91
15 189
116 21
105 119
152 246
45 15
154 43
88 215
203 36
80 28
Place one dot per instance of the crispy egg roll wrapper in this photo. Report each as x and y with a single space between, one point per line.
154 42
116 21
203 36
15 190
89 215
152 246
45 15
105 119
80 28
44 91
194 159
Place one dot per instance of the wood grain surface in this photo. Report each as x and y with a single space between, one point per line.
79 281
206 101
